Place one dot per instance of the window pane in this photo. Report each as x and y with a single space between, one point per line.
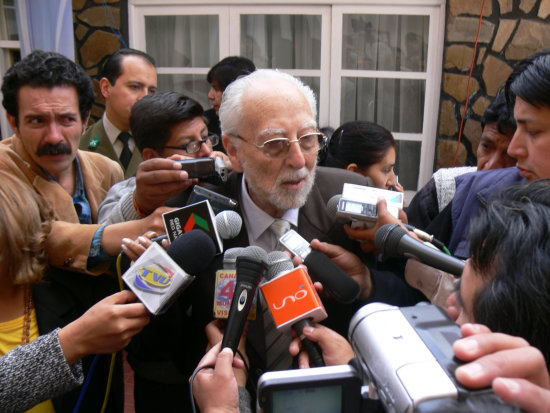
396 104
193 86
315 84
384 42
183 41
408 163
9 21
282 41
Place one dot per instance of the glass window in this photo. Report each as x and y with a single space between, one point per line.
384 42
282 41
396 104
194 86
407 165
193 40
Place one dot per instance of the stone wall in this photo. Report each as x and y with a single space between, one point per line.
511 30
100 29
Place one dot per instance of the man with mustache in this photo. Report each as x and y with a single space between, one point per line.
48 99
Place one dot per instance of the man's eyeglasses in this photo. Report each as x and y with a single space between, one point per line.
311 142
195 146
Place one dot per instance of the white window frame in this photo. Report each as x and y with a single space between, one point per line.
330 72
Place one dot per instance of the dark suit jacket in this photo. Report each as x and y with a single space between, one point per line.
105 147
59 300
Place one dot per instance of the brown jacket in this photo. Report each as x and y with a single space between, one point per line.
69 242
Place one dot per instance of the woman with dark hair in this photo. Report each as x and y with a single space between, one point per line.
365 148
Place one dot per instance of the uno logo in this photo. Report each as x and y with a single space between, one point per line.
153 278
298 295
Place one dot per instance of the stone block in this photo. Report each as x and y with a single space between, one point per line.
446 150
544 9
459 56
480 55
101 17
97 46
481 105
448 125
495 73
80 31
78 4
530 37
505 29
506 6
472 131
458 7
527 5
456 86
464 29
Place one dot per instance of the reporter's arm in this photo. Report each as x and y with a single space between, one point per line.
36 372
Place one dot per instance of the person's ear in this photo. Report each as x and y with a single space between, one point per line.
105 87
85 122
352 167
150 153
232 152
13 124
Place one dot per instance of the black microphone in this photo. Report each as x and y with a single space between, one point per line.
192 251
250 269
281 266
394 241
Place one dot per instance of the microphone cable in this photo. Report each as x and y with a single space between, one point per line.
424 236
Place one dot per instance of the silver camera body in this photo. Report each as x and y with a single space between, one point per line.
407 360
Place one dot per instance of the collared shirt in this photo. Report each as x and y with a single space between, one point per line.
112 132
258 222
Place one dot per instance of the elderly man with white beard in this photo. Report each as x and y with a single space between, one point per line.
271 137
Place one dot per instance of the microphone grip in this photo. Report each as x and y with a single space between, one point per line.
335 281
238 315
312 348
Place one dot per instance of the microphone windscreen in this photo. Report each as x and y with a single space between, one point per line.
332 206
387 239
278 262
255 253
228 224
230 257
192 251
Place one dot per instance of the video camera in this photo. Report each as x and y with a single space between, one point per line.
213 171
404 359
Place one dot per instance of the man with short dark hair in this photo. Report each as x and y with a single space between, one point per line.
167 127
128 76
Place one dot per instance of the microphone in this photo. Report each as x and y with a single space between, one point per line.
293 301
250 269
335 281
158 277
394 241
228 224
225 285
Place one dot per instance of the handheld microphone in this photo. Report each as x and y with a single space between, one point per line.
158 276
336 281
394 241
250 269
293 301
228 224
226 279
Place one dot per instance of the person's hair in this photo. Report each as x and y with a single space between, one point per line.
227 70
46 69
24 225
153 117
510 244
530 80
113 67
500 113
231 109
360 142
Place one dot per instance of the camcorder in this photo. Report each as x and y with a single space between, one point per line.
404 362
212 171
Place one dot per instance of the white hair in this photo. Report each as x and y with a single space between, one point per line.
231 109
